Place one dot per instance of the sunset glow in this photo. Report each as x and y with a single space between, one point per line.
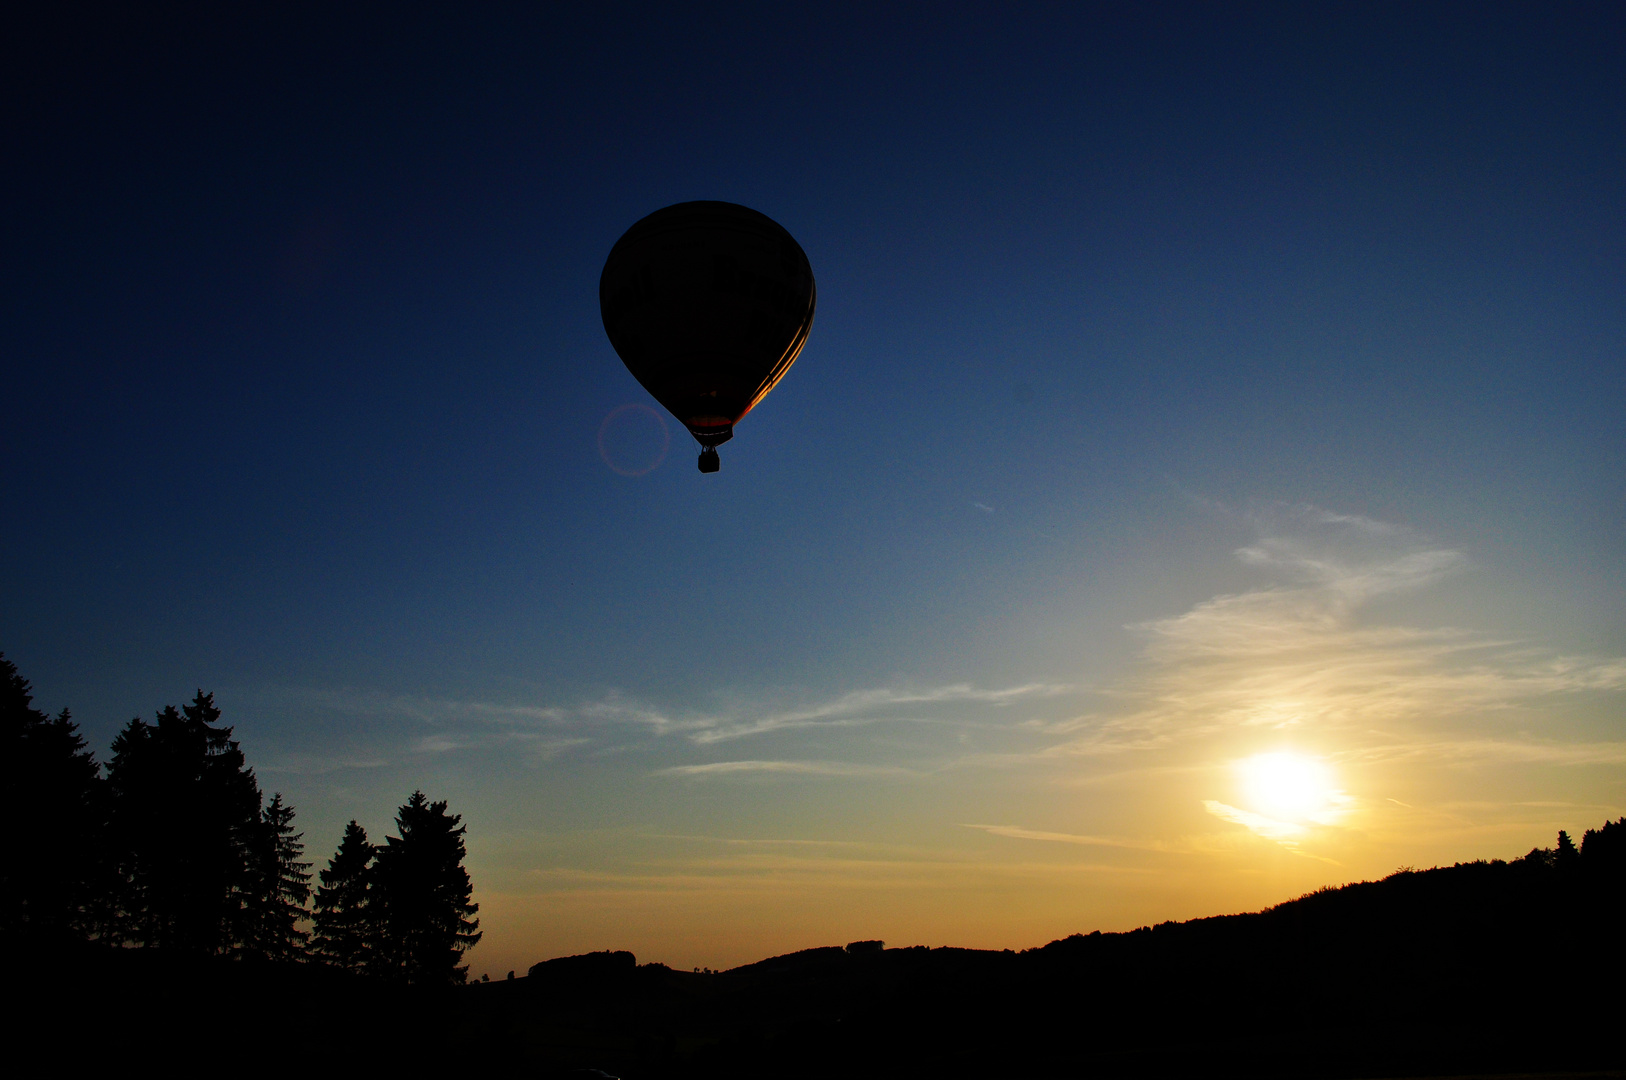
1202 482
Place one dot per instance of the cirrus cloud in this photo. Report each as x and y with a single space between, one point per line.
1302 654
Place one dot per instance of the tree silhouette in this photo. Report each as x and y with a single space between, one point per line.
185 818
1565 857
1538 858
422 893
281 886
50 877
343 916
1605 846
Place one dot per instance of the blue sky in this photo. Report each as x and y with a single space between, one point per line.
1145 340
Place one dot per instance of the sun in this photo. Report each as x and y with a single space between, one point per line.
1286 786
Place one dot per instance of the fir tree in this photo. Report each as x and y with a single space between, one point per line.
50 877
185 818
343 916
281 886
423 897
1565 857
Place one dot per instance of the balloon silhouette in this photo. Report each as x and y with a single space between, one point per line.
707 303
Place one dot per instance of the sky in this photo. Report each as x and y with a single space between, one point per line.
1204 482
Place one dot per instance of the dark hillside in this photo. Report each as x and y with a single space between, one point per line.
1479 967
81 1008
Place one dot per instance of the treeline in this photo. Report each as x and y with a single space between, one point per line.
1493 967
173 846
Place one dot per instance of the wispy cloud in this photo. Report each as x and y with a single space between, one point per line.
307 764
1286 833
793 768
742 841
1306 652
1017 833
413 707
865 707
1472 751
536 745
1289 835
1300 654
463 724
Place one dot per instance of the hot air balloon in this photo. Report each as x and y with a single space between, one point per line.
707 303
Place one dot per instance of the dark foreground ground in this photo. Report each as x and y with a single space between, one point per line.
1478 969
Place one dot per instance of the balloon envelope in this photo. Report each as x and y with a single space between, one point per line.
707 303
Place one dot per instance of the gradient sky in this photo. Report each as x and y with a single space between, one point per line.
1188 384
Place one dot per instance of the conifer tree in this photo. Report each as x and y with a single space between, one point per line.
422 895
280 886
184 816
51 875
1565 857
344 927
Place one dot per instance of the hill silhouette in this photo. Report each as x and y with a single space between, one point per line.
1499 967
1487 967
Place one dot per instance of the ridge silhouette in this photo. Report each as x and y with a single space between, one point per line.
1489 966
157 914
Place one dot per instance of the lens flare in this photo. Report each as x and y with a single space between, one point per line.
633 439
